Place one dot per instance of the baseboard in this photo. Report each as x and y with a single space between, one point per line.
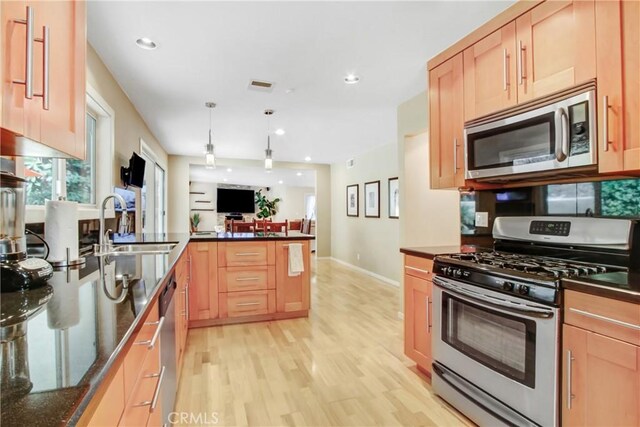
367 272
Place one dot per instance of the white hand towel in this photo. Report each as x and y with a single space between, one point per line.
296 263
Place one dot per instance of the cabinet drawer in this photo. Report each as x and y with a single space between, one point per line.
613 318
240 254
235 279
418 267
250 303
145 397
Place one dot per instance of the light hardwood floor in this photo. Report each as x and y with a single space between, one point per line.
343 366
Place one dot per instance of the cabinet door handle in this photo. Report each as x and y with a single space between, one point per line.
46 41
455 155
156 393
605 123
245 304
247 279
570 395
152 342
186 298
427 302
28 68
247 253
521 73
505 69
606 319
419 270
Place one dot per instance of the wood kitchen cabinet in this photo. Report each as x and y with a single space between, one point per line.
555 47
446 124
418 321
490 74
181 308
617 63
54 114
601 361
203 281
292 293
111 405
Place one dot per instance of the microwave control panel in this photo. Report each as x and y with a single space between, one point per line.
579 128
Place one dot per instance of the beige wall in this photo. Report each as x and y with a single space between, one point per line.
129 125
178 199
374 239
291 205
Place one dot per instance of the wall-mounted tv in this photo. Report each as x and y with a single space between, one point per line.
232 200
134 174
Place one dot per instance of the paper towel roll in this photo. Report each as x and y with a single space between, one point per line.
63 310
61 229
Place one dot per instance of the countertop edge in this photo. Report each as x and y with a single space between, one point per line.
601 290
430 252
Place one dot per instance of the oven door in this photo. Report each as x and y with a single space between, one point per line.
504 345
555 136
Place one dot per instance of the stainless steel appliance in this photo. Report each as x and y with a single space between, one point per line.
168 349
496 344
559 136
17 272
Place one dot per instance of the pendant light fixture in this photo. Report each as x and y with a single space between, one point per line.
209 157
268 160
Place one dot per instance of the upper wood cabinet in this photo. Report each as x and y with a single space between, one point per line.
555 47
446 124
490 74
292 292
618 62
203 281
43 85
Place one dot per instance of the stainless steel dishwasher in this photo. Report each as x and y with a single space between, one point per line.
168 348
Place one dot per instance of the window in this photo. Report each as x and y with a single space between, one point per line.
49 179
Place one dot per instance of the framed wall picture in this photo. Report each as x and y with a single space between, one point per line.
394 198
353 196
372 199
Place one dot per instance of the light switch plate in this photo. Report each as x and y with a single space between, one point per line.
482 219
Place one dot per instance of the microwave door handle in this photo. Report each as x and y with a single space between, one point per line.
561 124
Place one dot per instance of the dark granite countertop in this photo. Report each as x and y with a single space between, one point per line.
74 332
620 285
430 252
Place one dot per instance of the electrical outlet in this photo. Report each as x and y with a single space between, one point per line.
482 219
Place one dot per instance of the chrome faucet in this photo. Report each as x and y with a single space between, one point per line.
104 242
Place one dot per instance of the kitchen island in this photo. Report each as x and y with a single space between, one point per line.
76 339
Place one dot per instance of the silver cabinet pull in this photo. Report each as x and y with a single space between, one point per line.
521 73
455 155
505 69
244 304
46 41
605 319
247 279
570 395
247 253
28 68
186 295
156 393
416 269
152 342
427 302
605 123
189 260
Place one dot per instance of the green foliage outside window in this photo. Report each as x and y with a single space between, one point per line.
620 197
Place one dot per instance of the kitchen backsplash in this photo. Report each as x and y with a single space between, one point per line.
615 199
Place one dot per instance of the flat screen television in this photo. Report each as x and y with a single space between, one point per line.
134 174
234 200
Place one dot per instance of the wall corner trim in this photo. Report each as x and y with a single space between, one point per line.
367 272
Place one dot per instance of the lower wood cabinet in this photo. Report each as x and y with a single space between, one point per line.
111 404
292 292
247 303
203 281
600 362
418 320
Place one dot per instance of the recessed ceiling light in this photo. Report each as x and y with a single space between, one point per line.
290 90
307 159
268 171
351 79
280 182
229 170
279 132
299 174
146 43
224 179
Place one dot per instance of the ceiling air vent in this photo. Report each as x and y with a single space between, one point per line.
350 163
261 85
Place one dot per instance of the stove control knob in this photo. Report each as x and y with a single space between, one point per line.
507 286
523 290
457 273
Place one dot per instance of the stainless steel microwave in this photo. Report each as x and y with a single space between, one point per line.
551 139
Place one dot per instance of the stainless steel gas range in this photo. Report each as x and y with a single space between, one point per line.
496 347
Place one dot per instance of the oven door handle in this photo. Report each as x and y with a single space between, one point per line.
503 305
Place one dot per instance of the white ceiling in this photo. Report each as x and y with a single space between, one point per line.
209 51
249 175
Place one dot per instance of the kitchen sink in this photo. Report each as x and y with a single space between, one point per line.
142 248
